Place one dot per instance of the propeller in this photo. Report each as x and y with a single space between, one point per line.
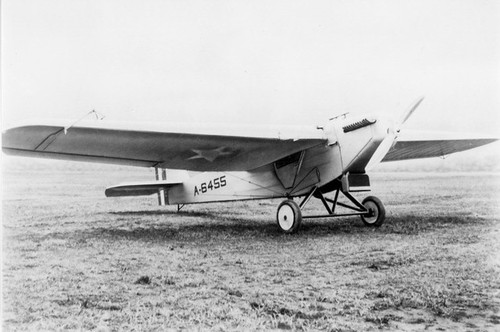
392 135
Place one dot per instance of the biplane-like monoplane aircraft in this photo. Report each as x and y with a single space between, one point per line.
228 163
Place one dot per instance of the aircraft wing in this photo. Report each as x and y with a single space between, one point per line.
219 148
419 144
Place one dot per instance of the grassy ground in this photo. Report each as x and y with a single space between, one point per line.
76 260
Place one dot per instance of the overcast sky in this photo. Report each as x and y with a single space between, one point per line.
251 62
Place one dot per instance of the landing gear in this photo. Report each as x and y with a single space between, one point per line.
289 216
376 212
371 210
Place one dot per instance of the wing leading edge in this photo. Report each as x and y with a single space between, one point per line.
152 147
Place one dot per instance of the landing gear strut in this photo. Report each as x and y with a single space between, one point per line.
289 215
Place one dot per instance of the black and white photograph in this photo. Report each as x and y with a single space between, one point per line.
217 165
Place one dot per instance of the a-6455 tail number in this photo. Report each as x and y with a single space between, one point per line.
210 185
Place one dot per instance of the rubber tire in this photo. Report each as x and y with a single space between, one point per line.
372 203
289 208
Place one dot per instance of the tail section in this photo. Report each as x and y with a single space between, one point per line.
139 188
159 187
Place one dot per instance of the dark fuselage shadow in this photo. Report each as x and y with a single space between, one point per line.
216 225
162 213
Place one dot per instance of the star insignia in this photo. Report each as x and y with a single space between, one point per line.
212 154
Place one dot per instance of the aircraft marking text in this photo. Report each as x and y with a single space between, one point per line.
211 185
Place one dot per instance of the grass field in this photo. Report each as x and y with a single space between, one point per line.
74 260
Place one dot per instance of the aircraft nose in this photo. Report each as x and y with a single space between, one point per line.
384 128
391 129
388 126
390 133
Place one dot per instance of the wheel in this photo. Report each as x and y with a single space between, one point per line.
376 212
289 216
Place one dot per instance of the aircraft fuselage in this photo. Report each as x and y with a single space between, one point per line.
350 146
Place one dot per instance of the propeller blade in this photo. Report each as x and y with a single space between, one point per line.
392 136
410 111
381 151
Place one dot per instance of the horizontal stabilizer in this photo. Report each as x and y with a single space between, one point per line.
139 188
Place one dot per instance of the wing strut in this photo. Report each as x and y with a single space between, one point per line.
161 174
